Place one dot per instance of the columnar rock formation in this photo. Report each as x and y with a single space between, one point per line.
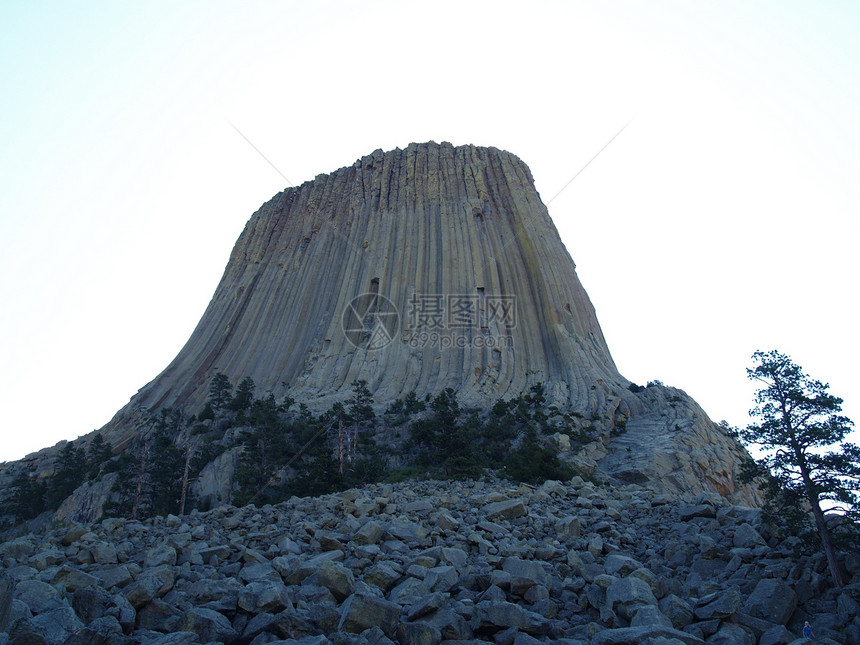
485 296
422 269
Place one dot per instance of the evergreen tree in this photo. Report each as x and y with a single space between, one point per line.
100 451
802 434
149 480
219 392
264 449
315 466
70 469
163 476
27 498
244 395
532 463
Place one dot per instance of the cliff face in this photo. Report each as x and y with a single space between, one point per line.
423 269
418 269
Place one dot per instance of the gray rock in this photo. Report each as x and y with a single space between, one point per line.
371 532
720 604
746 537
258 624
650 615
336 578
777 635
382 575
261 571
418 634
756 625
57 624
360 612
625 595
524 574
688 512
176 638
506 509
142 591
123 611
209 625
220 595
406 592
490 613
442 578
732 634
568 526
618 564
408 532
24 632
450 624
102 631
103 552
118 576
160 555
427 605
160 617
90 603
773 600
264 596
644 634
71 579
38 596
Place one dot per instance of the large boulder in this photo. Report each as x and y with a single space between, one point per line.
773 600
360 612
625 596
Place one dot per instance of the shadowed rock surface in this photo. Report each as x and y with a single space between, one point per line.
580 564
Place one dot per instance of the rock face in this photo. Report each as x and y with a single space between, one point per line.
471 289
360 568
417 270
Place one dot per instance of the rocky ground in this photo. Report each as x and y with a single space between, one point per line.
420 563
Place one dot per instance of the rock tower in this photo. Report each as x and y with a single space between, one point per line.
421 269
418 269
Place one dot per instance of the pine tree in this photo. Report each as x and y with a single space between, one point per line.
70 470
27 497
100 451
219 391
802 434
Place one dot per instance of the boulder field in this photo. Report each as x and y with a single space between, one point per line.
426 562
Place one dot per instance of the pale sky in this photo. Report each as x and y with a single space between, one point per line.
722 220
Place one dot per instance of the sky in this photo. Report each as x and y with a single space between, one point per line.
136 139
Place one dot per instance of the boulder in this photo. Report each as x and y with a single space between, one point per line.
57 624
501 614
626 595
38 596
360 612
720 604
506 509
261 596
209 625
644 634
773 600
746 537
336 578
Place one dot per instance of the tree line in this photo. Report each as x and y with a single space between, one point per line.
284 449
